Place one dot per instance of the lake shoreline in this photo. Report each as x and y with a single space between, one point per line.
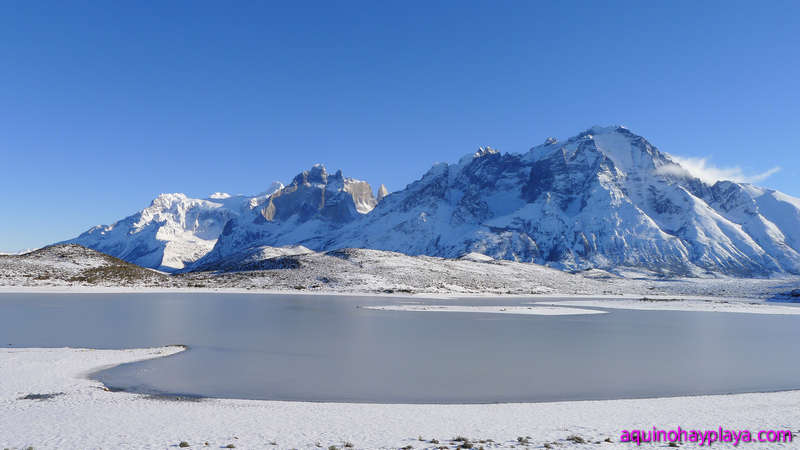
341 293
84 414
481 352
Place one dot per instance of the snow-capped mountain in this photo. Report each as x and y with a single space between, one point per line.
307 212
173 231
604 198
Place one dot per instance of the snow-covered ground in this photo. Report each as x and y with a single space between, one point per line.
83 415
518 310
654 304
373 272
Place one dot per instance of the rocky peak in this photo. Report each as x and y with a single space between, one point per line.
313 193
482 151
382 192
166 200
604 198
317 175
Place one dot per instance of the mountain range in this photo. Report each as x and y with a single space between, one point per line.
605 198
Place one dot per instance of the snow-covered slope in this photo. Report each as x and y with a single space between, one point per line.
176 231
173 231
359 271
307 212
70 264
605 198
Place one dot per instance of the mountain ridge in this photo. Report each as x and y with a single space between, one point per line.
601 199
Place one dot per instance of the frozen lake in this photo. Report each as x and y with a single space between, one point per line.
325 348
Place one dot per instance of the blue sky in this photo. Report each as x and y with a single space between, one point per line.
107 104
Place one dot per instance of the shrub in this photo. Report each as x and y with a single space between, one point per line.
41 396
576 439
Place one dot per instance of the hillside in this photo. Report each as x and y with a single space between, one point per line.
70 264
361 271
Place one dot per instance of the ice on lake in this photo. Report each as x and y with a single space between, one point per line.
331 348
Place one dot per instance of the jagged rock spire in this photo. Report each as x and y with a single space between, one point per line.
382 192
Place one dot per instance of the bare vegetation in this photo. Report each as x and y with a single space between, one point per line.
42 396
369 272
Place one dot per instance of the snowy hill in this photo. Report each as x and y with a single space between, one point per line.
62 265
348 271
605 198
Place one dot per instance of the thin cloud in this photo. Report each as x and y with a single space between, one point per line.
702 169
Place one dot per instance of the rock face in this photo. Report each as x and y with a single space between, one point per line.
382 192
176 231
306 212
605 198
313 193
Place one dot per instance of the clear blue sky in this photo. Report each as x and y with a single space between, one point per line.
107 104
